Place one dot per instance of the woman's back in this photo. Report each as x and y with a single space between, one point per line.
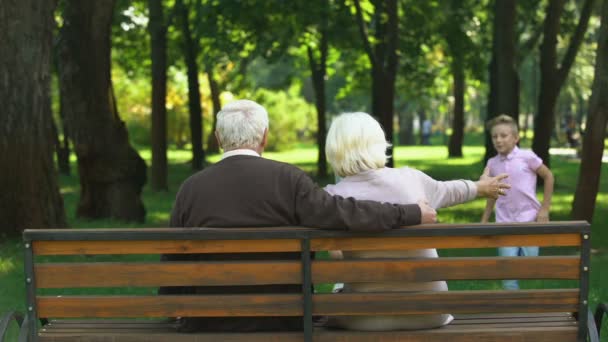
395 186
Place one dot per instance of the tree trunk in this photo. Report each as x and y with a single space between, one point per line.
212 144
30 194
382 106
194 95
552 76
406 127
595 133
158 55
421 119
504 79
456 139
112 173
63 146
319 71
384 60
549 90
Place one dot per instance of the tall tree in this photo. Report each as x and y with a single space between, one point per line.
112 173
552 74
457 44
62 146
381 49
504 79
158 55
190 48
318 68
30 194
212 144
595 132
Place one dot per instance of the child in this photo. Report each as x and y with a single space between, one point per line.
519 203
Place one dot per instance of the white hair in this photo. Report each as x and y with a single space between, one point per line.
241 124
355 143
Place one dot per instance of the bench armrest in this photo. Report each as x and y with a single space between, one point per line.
7 319
600 311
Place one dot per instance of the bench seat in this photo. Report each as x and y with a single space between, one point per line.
539 327
101 284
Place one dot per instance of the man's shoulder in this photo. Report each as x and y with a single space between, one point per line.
251 163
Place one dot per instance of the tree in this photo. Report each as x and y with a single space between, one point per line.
381 49
190 48
552 74
112 173
595 133
457 46
318 69
504 79
158 55
212 144
30 194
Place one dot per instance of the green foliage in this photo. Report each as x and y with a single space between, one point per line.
292 119
133 102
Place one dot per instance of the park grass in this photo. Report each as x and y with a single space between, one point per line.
430 159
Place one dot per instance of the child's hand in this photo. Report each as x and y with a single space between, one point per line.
542 216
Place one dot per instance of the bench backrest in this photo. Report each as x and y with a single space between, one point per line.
48 269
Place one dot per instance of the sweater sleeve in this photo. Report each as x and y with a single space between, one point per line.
442 194
316 208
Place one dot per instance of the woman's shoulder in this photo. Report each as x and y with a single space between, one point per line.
408 171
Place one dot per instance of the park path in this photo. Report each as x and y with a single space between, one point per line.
571 153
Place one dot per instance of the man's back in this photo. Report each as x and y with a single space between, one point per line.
239 191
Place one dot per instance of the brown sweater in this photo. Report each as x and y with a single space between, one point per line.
249 191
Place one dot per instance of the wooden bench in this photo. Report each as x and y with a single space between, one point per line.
540 314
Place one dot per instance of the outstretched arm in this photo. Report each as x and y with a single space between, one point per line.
547 176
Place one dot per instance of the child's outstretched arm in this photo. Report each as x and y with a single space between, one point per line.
547 176
488 211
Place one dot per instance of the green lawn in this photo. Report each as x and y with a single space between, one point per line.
430 159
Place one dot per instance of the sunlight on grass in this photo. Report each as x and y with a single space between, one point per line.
6 265
158 216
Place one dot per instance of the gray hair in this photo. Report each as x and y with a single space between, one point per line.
241 124
355 143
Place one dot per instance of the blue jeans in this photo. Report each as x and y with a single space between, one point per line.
515 252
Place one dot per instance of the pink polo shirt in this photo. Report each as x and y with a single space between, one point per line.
519 204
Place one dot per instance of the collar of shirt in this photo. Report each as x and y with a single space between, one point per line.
510 155
240 152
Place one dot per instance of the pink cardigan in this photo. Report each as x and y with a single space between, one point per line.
401 186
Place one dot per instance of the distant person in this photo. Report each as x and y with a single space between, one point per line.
572 135
519 203
246 190
356 149
427 130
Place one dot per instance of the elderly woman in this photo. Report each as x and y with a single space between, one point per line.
356 149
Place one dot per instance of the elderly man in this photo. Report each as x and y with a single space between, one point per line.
244 189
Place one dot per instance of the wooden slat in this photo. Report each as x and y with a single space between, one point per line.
164 247
108 274
566 267
292 245
547 327
447 333
446 302
169 306
323 304
116 274
401 243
